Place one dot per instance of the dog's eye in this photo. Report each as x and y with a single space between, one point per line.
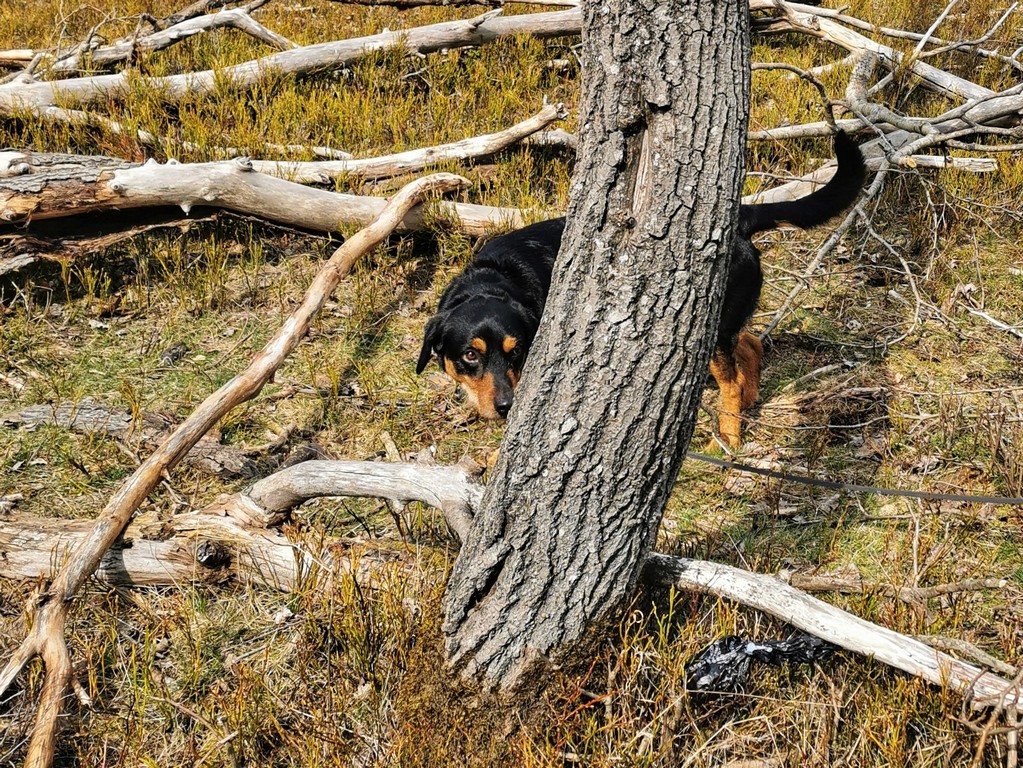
471 356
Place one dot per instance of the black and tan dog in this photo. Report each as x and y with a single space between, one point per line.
488 316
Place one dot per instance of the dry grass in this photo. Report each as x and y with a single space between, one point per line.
352 677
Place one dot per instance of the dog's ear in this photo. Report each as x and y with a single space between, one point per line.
431 335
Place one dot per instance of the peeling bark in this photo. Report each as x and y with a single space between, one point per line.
236 538
195 548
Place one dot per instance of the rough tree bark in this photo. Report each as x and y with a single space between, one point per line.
609 396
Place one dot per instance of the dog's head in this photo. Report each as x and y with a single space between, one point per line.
481 343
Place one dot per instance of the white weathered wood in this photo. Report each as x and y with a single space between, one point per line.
815 617
36 548
16 57
319 172
449 489
105 55
809 20
140 429
230 538
32 97
194 548
69 189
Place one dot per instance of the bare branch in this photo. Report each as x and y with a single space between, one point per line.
415 159
796 17
804 75
875 188
123 50
90 417
32 97
456 3
266 556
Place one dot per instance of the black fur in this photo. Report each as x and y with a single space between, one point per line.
502 293
745 278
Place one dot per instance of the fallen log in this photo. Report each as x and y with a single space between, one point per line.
233 539
146 429
37 186
33 97
455 3
195 548
321 172
765 593
816 22
122 50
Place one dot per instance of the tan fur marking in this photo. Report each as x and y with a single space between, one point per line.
449 369
723 369
514 377
479 345
748 356
509 343
466 383
482 391
738 378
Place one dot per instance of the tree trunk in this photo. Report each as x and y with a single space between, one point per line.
609 396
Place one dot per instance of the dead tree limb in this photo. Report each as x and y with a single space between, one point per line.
191 11
227 540
855 584
944 45
147 429
810 20
456 3
767 594
122 50
320 172
169 30
49 610
18 97
449 489
16 57
230 540
82 117
19 250
34 97
55 186
324 171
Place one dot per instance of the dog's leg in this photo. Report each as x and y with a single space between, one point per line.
748 355
726 373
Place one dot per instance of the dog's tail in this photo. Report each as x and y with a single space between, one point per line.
819 206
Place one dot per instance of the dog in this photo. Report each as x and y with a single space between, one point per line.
487 317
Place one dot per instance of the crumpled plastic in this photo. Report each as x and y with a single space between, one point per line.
724 666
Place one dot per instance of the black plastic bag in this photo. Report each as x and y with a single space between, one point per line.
724 665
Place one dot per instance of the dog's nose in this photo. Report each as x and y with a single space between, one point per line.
502 405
